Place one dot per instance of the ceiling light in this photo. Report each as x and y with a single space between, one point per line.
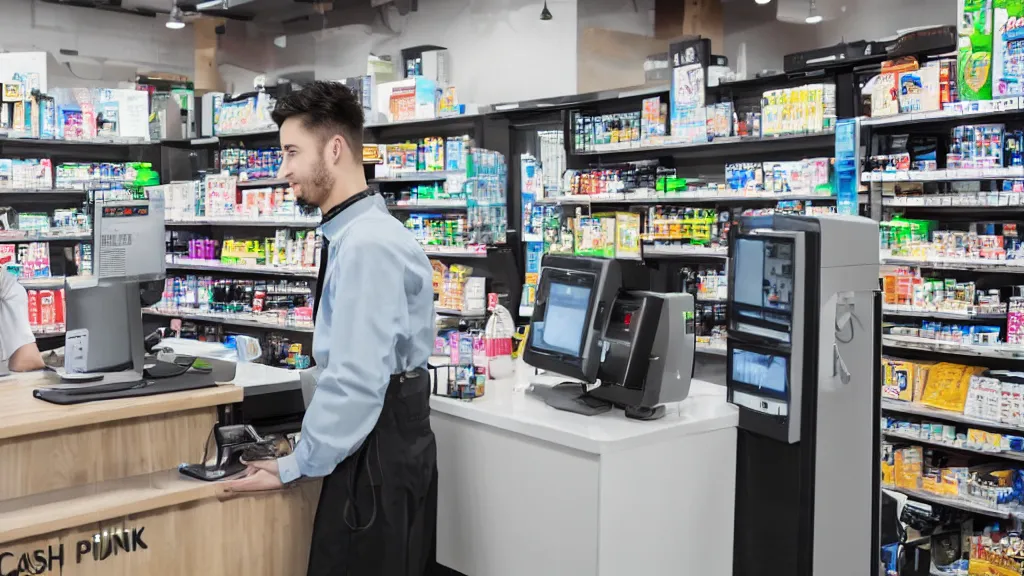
812 15
174 21
762 1
545 14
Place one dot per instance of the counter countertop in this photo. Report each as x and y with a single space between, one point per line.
253 378
23 414
704 410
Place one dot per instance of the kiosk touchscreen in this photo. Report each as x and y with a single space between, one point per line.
803 362
632 349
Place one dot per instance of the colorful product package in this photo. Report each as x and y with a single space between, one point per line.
947 386
1008 49
919 90
627 235
974 55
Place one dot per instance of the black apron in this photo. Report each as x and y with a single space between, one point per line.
378 510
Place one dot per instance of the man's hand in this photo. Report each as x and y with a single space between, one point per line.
260 476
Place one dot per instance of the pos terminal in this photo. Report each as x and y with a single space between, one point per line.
803 362
633 349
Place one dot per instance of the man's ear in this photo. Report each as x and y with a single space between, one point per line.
337 149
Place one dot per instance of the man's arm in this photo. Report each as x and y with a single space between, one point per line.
368 310
17 343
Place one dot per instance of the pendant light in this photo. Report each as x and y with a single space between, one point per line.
812 15
545 14
174 21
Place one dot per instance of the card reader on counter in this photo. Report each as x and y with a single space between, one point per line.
627 348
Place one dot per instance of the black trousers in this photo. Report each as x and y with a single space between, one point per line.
378 510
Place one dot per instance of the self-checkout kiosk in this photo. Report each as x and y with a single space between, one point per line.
628 348
803 363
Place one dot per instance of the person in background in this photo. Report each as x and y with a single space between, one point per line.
18 351
366 431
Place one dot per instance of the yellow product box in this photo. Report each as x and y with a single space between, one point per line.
627 235
532 278
898 379
888 465
908 463
947 385
921 369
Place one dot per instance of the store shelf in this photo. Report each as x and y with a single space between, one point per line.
429 205
910 312
998 266
5 139
417 177
284 223
989 109
710 300
215 266
10 238
655 251
647 196
1000 201
956 503
915 409
711 350
379 125
42 283
722 146
257 182
227 319
40 191
268 131
459 313
454 253
1004 351
947 175
1017 456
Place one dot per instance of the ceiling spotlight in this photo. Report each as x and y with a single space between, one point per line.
762 1
812 15
545 14
174 21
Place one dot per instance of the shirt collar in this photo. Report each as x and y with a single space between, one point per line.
332 228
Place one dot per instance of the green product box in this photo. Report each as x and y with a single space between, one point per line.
974 53
1007 57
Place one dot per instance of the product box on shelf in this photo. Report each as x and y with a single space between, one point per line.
974 54
920 90
1008 59
409 99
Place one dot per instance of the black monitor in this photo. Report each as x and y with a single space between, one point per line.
570 314
761 286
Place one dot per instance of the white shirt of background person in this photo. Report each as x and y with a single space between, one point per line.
18 351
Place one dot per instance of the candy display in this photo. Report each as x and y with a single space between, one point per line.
105 175
918 239
294 249
804 109
46 311
432 154
26 174
30 260
219 197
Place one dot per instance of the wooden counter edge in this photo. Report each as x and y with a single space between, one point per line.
51 512
43 417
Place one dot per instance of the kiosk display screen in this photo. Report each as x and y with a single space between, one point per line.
763 283
769 373
565 319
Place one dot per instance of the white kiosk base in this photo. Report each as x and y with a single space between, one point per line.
527 489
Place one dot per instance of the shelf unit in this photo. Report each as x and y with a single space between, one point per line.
906 437
214 266
229 320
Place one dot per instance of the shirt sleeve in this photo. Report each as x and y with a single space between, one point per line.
15 330
368 312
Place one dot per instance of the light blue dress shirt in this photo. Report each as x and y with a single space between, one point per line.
376 318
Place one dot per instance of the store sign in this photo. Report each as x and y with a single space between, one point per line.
847 172
53 559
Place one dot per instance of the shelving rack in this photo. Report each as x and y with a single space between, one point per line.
49 199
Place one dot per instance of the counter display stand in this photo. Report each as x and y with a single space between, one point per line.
93 489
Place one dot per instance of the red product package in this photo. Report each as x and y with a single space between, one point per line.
33 307
58 307
46 312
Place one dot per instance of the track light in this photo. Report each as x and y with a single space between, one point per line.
545 14
174 21
762 1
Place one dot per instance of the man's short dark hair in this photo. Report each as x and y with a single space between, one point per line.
328 108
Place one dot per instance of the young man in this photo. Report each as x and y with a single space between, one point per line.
367 428
18 351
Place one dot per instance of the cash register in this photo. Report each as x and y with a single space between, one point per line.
631 349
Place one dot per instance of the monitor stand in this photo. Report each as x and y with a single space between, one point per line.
644 413
570 397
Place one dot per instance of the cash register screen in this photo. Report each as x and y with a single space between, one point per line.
762 285
769 373
565 319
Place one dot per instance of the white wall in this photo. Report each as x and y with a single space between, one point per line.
500 49
619 15
144 43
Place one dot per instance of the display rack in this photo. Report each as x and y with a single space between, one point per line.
68 246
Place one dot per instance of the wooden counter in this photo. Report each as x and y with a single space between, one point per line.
94 489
